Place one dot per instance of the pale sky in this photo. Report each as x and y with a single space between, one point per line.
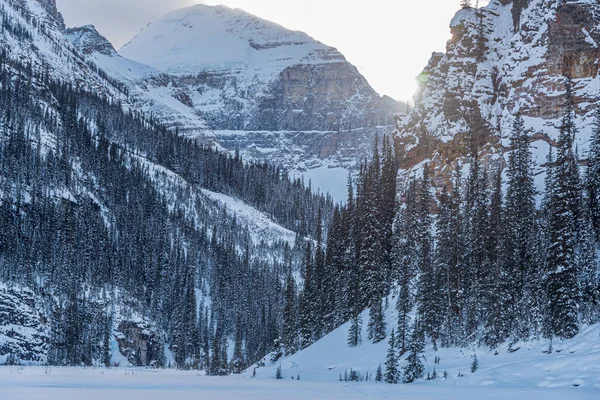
389 41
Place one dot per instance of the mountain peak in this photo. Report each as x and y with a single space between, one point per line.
50 7
201 37
89 40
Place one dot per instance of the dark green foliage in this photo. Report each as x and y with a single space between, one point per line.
379 374
391 362
474 364
414 368
563 285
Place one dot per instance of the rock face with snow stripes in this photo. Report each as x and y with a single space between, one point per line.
505 58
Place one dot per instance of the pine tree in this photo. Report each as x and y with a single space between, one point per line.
562 284
391 362
588 269
237 362
377 324
592 178
429 295
414 368
497 294
520 224
355 331
405 260
319 294
379 374
475 237
278 374
474 364
290 320
307 311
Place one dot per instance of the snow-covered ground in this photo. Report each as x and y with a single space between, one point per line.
39 383
570 371
572 364
259 224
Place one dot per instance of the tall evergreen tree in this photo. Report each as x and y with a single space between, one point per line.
562 284
414 368
391 362
592 178
520 224
429 295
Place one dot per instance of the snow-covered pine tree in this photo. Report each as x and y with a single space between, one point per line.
355 330
307 312
372 252
562 284
497 284
405 260
587 267
391 362
414 368
379 374
290 317
592 177
474 364
475 233
377 324
389 172
519 237
238 363
429 295
448 257
319 294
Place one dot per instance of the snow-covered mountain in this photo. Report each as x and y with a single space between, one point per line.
245 73
506 58
228 78
147 88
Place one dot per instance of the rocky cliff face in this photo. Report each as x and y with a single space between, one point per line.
52 10
89 41
505 58
139 343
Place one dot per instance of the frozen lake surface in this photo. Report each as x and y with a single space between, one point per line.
39 383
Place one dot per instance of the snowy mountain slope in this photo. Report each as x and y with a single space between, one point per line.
149 90
65 102
33 31
259 224
274 94
571 363
506 58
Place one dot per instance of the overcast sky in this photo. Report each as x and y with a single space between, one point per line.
390 41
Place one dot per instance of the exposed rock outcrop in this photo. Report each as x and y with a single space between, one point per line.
89 41
139 343
507 57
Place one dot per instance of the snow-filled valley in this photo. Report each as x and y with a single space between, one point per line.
152 245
